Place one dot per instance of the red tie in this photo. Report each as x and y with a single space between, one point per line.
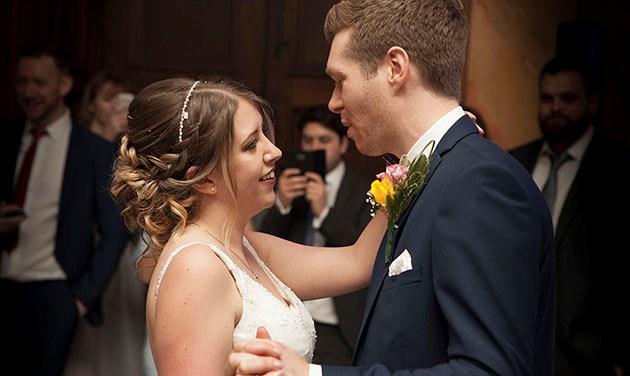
19 192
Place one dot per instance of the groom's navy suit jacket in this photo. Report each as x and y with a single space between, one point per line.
85 205
479 298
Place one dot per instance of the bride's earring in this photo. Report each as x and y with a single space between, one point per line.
213 189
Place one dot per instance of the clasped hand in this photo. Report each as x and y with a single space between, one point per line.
264 356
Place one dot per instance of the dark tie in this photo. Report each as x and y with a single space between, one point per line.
551 186
308 236
19 192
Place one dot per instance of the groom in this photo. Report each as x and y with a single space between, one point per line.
476 294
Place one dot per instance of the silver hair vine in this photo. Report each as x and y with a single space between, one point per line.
184 115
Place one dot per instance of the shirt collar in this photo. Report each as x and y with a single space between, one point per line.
577 150
435 132
57 128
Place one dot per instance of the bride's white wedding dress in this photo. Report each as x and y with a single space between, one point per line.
287 321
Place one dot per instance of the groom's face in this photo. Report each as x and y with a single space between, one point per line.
357 98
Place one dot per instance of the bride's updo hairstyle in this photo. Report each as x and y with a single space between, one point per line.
175 124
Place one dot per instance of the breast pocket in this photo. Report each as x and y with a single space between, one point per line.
404 279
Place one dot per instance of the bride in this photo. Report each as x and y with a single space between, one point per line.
196 165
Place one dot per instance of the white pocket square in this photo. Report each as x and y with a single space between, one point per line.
401 264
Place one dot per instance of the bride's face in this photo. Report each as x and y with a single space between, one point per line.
253 161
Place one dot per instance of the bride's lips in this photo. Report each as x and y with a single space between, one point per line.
268 177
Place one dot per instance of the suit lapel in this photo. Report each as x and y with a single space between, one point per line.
462 128
73 168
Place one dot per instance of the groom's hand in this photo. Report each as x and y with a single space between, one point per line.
264 356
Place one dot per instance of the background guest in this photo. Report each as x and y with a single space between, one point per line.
578 171
104 105
54 265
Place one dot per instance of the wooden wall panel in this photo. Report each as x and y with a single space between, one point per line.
163 38
184 35
309 50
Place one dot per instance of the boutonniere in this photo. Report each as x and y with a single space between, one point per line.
392 190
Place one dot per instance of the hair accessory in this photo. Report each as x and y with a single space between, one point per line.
184 115
129 117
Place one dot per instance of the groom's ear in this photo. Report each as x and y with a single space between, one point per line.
398 66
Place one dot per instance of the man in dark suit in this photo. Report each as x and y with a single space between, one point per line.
339 214
590 200
470 290
59 252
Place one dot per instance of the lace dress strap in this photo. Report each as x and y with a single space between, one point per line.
284 290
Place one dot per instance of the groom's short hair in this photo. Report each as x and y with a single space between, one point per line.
434 34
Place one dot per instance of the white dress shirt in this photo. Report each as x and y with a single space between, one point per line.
566 171
33 258
435 133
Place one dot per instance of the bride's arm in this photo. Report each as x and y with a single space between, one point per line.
191 325
315 272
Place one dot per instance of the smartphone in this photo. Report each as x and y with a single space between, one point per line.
314 161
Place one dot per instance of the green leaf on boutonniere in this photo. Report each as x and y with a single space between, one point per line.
393 190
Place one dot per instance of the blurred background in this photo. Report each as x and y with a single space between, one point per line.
277 48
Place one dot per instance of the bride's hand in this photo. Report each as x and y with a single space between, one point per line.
474 119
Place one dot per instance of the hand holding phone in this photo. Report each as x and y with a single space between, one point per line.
314 161
290 185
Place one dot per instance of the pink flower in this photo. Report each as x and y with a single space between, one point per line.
394 173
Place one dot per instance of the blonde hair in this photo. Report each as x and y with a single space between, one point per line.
150 173
433 33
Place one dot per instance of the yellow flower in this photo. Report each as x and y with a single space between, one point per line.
380 190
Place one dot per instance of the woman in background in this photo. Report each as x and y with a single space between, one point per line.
115 348
106 98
